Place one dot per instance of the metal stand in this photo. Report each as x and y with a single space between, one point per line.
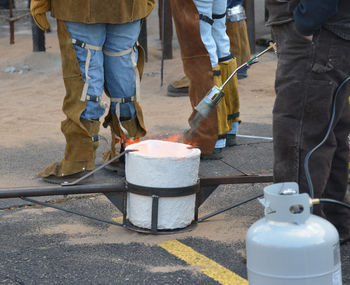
118 193
156 194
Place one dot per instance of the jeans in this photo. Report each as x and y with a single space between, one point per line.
115 73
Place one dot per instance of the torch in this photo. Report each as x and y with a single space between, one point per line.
215 94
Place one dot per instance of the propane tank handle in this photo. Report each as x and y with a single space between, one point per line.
283 203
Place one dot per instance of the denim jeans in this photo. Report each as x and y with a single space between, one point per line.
115 73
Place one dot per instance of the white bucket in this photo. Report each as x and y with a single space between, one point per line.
162 164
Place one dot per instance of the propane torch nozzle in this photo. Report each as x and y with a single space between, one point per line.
205 106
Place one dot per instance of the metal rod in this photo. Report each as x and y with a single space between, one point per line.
229 208
97 169
235 179
14 19
119 186
168 31
198 196
155 207
163 45
125 206
232 74
253 60
12 25
255 137
71 212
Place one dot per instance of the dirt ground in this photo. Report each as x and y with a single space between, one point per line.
32 95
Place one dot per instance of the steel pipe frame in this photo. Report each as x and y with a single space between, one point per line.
120 186
61 190
205 184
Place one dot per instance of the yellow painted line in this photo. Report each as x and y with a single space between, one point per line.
204 264
118 219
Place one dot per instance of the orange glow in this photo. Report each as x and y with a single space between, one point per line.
173 138
130 141
177 138
127 141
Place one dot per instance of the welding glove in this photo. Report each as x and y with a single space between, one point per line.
38 9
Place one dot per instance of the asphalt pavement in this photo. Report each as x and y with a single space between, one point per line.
41 245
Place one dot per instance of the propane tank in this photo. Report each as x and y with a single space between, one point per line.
289 245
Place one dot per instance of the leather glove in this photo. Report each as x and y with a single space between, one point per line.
38 9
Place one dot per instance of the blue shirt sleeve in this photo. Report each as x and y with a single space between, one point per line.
310 15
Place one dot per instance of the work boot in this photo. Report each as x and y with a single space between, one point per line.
216 155
117 166
53 179
179 88
242 73
231 136
231 140
80 152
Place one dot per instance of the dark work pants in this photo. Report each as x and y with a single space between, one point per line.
307 77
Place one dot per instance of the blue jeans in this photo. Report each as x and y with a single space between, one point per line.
115 73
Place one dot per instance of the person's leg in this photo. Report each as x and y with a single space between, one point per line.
305 86
197 67
293 70
337 183
236 29
222 123
119 67
239 44
205 10
331 160
122 83
90 60
82 66
219 35
227 65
